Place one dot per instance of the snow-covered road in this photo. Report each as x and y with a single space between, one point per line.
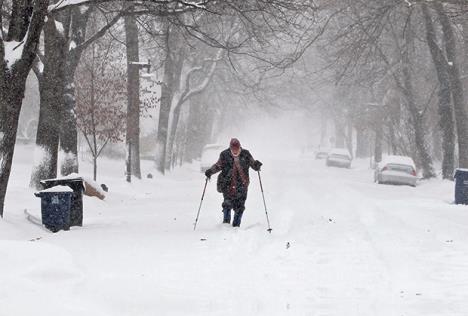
341 245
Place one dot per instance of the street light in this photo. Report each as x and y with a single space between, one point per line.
141 64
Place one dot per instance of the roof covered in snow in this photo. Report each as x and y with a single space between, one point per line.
323 149
340 151
213 146
399 160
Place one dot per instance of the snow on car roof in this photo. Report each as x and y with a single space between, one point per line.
211 146
340 151
322 149
400 160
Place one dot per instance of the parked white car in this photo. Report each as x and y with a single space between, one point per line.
396 170
339 157
210 156
322 153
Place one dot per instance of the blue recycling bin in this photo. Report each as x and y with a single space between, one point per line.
461 186
56 208
76 184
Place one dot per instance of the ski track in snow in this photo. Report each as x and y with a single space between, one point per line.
341 245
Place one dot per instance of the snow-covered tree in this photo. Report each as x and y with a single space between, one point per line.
18 45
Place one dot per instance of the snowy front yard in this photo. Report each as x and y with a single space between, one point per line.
341 245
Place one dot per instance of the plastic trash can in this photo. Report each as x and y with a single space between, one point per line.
55 207
76 184
461 186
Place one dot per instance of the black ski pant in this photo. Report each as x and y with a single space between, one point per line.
236 203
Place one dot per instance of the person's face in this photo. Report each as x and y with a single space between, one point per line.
235 151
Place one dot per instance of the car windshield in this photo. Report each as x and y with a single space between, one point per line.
401 168
338 156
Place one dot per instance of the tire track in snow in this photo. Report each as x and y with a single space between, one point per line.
411 251
331 252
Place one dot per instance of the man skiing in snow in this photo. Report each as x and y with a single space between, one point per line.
233 181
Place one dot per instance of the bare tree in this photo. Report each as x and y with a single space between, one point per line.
65 40
446 121
456 84
100 87
374 42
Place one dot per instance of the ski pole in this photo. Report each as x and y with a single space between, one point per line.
264 203
199 208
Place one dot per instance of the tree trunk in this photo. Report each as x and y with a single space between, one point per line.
13 81
47 138
339 134
181 141
392 138
193 132
173 65
77 22
69 134
416 116
94 168
378 144
59 67
163 124
133 95
361 143
465 53
72 22
11 99
200 123
174 125
349 139
455 85
323 129
68 128
445 107
94 148
51 85
19 21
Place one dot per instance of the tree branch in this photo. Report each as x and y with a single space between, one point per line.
98 34
179 5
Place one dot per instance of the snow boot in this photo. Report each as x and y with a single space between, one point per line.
227 216
237 218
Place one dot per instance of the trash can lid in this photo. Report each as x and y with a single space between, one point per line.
70 178
57 189
460 171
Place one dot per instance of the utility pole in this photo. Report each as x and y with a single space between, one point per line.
131 108
133 98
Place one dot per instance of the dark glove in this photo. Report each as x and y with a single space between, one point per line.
208 173
257 165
